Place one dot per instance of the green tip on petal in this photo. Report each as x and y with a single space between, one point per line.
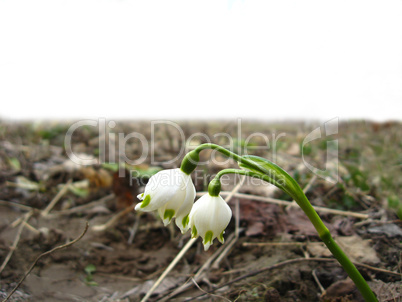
185 221
208 240
208 237
146 201
194 232
220 238
168 214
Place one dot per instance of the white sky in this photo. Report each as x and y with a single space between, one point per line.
200 59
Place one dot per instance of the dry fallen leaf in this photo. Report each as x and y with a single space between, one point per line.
343 290
98 178
358 249
125 188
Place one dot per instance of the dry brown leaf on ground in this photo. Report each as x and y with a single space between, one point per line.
358 249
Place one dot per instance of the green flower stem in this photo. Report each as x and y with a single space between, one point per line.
192 158
326 237
294 190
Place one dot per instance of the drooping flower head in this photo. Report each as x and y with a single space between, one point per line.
172 193
209 218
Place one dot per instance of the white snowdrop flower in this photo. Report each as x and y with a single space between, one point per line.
170 192
209 218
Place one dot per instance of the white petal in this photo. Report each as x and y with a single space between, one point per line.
210 213
189 196
199 215
176 201
162 187
186 207
221 216
193 212
171 206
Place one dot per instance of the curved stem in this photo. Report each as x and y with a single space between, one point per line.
229 154
224 151
278 176
322 230
302 202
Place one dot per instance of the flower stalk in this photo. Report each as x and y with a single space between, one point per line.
210 215
263 169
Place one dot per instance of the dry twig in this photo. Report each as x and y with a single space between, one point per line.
83 207
16 240
317 281
256 272
17 205
220 297
283 263
42 255
56 199
286 203
169 268
113 220
281 243
134 229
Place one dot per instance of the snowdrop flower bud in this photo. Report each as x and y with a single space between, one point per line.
209 218
171 193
